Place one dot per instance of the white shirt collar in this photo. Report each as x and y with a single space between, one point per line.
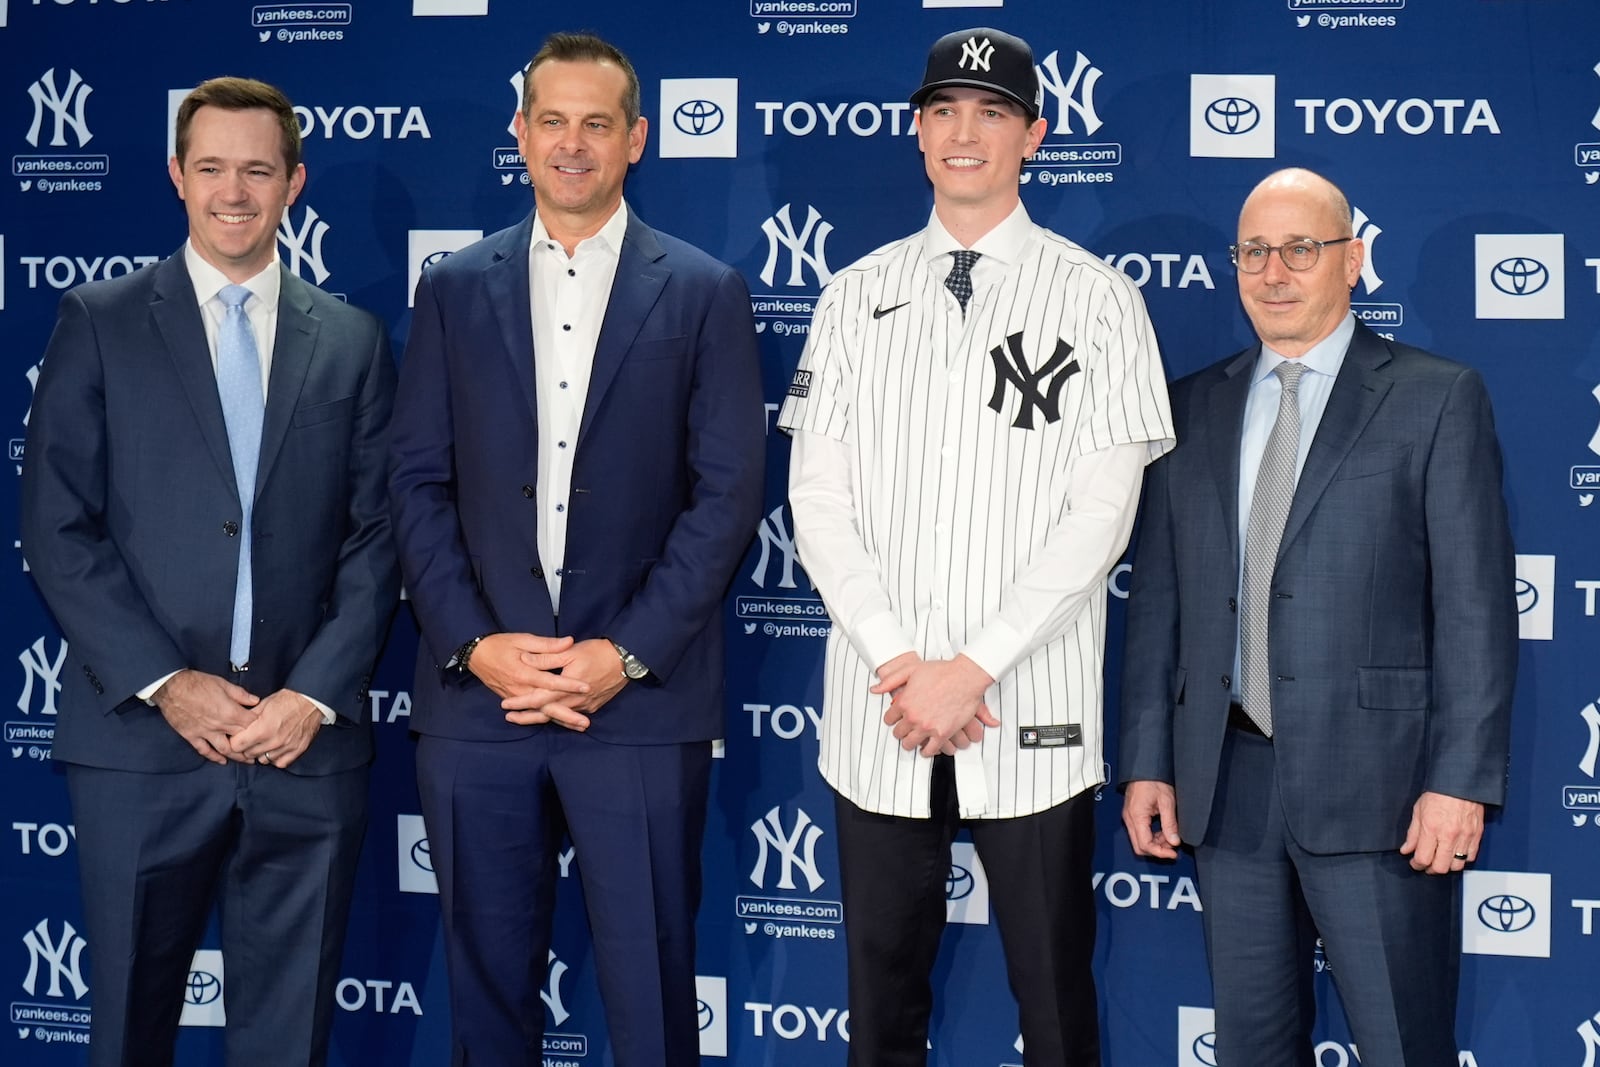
208 281
1003 244
1324 357
610 235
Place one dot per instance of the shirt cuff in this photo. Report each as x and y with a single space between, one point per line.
880 639
148 693
997 648
328 714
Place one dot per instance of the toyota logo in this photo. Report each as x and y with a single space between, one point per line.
1519 276
1506 914
1527 596
698 117
1232 115
958 883
202 988
1205 1049
434 258
422 855
706 1015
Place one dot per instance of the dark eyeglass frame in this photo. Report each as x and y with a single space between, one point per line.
1234 251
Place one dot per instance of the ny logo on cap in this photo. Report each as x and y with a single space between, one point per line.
980 54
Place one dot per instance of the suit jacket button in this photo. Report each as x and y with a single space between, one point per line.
537 572
1227 683
527 491
230 528
1233 605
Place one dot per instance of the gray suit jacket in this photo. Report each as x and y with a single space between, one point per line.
130 513
1393 628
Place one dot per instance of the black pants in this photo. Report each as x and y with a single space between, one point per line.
894 873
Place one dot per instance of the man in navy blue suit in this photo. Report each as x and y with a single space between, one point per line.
1322 643
576 471
203 510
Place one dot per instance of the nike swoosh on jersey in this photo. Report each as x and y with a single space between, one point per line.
879 313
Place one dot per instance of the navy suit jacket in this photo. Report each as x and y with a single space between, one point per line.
666 481
130 514
1393 627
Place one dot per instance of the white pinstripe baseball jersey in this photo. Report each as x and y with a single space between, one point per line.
969 445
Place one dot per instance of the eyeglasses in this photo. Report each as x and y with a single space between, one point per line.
1302 254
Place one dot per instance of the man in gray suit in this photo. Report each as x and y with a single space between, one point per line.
203 510
1321 649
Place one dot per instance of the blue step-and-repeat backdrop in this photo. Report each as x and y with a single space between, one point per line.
1466 133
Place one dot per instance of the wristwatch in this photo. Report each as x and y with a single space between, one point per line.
632 667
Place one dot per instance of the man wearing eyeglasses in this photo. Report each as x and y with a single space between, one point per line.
1321 649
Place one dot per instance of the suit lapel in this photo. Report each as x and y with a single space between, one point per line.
177 318
1357 392
506 282
641 275
1222 416
291 359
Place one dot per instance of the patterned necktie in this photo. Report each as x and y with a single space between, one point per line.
1269 510
959 281
243 406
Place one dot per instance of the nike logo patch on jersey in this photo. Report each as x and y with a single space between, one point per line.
879 313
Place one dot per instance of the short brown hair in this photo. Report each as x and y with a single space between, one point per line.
581 48
241 94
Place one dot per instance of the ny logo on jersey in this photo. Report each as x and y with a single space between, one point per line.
37 665
1075 95
62 956
1011 365
66 107
797 849
981 53
295 241
1367 232
780 232
777 539
551 993
1591 717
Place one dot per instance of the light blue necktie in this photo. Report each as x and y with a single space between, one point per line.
243 405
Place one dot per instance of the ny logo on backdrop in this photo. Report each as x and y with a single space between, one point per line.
1591 719
797 849
1595 122
1074 95
1011 365
1591 1040
303 244
37 666
776 537
1367 232
551 993
781 233
517 81
63 957
64 105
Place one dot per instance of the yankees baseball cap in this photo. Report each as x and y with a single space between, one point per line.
984 59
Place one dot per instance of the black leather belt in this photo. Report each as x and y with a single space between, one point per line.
1238 720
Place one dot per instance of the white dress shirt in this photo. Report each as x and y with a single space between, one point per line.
568 295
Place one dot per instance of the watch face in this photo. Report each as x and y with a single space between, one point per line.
634 669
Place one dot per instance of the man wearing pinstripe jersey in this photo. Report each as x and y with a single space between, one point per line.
971 419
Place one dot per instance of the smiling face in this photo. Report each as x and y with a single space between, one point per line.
973 143
1293 310
235 184
574 134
